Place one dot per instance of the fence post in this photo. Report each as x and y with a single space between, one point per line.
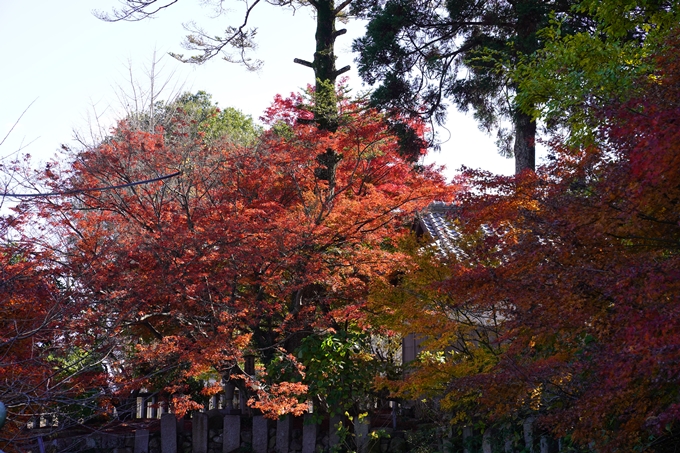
549 445
260 434
529 434
333 428
467 434
486 441
508 448
168 433
309 434
142 441
361 428
282 434
231 433
199 432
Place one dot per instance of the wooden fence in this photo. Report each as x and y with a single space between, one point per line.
228 426
216 432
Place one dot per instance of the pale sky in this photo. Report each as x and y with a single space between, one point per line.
59 56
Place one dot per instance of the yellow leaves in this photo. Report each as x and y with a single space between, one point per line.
374 434
428 357
655 79
535 397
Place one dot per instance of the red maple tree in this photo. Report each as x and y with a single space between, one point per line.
250 248
41 373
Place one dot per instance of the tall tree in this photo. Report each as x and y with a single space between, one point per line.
423 53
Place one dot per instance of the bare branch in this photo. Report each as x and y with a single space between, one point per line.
342 70
341 6
17 121
135 10
211 45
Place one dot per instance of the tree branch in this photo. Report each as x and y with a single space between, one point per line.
303 63
135 11
342 71
341 6
92 189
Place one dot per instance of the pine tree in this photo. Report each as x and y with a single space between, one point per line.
466 51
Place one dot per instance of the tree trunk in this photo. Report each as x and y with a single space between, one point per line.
529 14
325 74
525 143
326 114
324 57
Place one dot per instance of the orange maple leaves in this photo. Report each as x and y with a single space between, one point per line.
249 245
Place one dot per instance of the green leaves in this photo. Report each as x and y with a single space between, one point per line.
210 121
578 73
339 368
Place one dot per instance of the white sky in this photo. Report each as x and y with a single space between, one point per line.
59 55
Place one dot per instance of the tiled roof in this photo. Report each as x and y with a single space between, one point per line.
436 221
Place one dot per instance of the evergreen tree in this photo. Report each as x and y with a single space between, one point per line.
423 53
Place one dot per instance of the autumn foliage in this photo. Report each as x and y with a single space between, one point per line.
252 248
562 300
41 371
28 316
559 300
